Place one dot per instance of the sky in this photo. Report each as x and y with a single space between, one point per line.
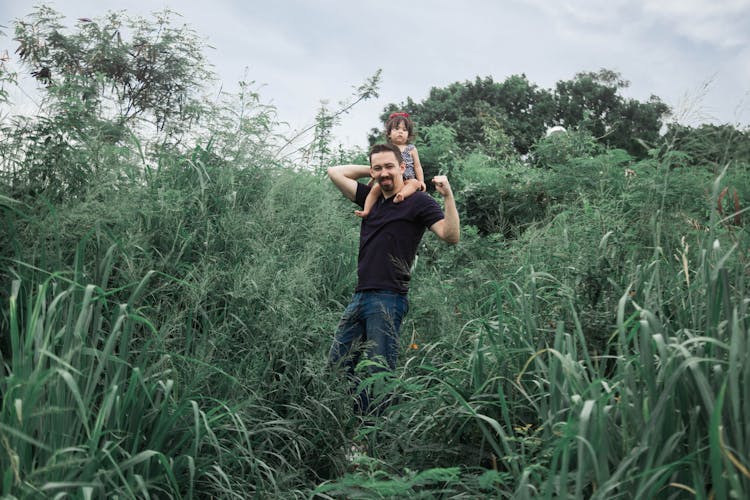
693 54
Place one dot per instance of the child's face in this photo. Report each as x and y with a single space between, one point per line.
399 134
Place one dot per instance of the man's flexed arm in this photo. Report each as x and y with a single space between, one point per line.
345 178
448 229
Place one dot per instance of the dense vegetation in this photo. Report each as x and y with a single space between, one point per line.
173 270
590 101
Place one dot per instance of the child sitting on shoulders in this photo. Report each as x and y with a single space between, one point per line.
399 130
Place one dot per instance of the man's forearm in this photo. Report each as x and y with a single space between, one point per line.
452 224
344 177
353 172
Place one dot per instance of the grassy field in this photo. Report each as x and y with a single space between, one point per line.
167 336
169 298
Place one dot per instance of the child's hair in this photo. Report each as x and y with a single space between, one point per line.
396 119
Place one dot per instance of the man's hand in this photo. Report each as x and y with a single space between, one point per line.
442 185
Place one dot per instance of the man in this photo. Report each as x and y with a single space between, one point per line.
388 241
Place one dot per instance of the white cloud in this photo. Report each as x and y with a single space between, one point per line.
722 23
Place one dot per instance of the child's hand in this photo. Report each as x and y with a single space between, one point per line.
422 186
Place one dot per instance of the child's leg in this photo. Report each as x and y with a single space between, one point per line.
411 186
372 197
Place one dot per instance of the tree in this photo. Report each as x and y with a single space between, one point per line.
527 111
592 100
156 74
7 77
98 84
519 107
709 146
523 111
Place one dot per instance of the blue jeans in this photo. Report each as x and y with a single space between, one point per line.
370 325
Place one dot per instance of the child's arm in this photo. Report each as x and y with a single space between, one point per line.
418 169
410 187
372 197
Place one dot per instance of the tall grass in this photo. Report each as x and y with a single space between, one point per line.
179 349
165 322
656 424
169 354
642 394
87 409
97 401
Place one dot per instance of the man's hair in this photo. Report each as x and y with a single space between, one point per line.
397 119
381 148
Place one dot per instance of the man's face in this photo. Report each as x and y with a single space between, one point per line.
388 171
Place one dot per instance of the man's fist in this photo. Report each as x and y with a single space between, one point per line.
442 185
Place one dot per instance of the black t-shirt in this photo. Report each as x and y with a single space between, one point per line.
389 238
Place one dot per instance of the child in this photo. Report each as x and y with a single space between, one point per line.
399 130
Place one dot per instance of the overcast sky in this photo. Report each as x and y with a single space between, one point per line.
694 54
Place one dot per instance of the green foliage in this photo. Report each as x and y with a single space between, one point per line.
242 129
444 482
154 74
590 101
100 87
517 105
438 151
558 149
7 77
220 280
168 304
90 405
709 146
499 198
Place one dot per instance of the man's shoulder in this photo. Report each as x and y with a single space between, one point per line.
425 208
424 198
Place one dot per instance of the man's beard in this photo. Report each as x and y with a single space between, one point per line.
390 185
